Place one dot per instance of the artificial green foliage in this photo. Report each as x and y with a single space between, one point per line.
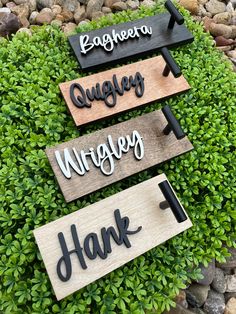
34 116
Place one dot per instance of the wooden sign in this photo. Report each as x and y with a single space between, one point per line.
86 245
119 42
93 161
105 94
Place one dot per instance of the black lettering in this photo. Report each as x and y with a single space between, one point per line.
78 101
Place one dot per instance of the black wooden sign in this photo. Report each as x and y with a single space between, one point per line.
118 43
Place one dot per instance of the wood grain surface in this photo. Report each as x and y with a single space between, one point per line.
157 149
140 47
139 203
156 87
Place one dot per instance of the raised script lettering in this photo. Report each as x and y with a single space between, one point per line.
107 92
107 41
103 158
92 247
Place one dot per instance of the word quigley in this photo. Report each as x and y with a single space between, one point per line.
107 41
92 247
107 92
104 156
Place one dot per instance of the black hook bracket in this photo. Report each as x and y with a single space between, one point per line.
175 16
171 201
171 65
173 123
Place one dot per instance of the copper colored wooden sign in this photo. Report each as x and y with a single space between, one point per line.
93 161
108 93
86 245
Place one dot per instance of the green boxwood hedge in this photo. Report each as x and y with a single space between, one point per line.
34 115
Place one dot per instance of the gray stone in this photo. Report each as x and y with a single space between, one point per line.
69 28
45 16
220 30
56 23
179 310
4 2
41 4
148 3
21 10
224 48
219 283
215 7
197 294
203 12
208 273
9 24
32 5
223 18
109 3
215 303
97 15
197 310
230 261
119 6
230 283
71 5
32 18
25 31
93 6
79 14
20 1
83 1
229 295
106 10
133 5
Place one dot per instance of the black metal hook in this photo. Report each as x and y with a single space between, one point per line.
171 65
172 201
173 123
175 16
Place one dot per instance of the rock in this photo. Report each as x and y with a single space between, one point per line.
79 14
85 22
148 3
67 15
109 3
221 41
178 310
9 24
41 4
32 5
208 273
190 5
83 1
119 6
10 5
32 18
25 31
202 1
224 48
230 283
133 5
203 12
229 295
197 310
93 6
233 29
230 8
230 306
69 28
45 16
21 10
71 5
181 299
197 294
232 54
215 7
97 15
20 1
106 10
222 18
219 283
5 10
57 23
215 303
0 4
207 22
56 9
24 23
4 2
230 261
220 30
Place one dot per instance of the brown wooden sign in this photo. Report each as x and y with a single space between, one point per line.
93 161
105 94
81 247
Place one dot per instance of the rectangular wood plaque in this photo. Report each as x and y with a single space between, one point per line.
93 161
119 42
146 84
136 209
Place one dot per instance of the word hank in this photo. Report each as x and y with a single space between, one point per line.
103 158
107 41
92 247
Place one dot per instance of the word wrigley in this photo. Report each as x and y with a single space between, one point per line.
107 40
104 156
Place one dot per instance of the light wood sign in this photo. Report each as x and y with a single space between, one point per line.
105 94
119 42
81 247
93 161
